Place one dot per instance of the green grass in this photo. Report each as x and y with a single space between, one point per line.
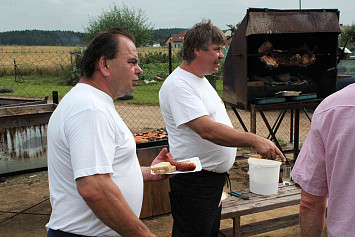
42 86
33 86
149 94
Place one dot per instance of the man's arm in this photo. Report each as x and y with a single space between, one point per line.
224 135
312 214
106 201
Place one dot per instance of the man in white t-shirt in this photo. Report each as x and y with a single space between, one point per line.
198 125
95 180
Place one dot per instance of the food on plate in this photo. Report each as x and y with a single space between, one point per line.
163 168
182 165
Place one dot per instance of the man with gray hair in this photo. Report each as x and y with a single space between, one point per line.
198 126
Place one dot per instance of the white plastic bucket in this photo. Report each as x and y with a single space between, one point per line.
263 176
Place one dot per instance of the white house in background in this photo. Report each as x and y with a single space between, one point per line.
228 34
178 39
156 45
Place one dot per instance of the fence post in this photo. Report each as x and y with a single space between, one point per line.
55 97
170 63
15 68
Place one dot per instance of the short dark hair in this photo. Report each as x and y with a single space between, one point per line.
105 43
200 36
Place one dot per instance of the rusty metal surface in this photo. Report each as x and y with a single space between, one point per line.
23 137
9 102
271 21
23 148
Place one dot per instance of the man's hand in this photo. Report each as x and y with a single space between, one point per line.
268 149
161 157
147 176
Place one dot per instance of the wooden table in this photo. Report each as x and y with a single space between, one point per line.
234 208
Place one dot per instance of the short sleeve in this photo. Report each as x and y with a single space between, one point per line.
90 136
185 104
310 167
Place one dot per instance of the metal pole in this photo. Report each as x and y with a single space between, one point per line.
15 68
55 97
299 3
170 63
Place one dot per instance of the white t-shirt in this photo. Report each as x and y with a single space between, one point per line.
86 136
184 97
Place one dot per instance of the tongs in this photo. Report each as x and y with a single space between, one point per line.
233 193
239 195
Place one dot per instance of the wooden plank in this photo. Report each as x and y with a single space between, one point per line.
264 226
287 195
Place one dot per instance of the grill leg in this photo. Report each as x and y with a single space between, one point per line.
270 130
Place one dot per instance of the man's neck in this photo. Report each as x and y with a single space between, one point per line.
191 68
96 84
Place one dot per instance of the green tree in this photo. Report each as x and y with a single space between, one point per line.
134 21
347 36
234 28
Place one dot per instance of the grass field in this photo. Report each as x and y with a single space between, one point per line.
40 70
37 60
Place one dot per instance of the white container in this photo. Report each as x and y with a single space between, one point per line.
263 176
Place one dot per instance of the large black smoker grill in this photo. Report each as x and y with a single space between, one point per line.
290 32
279 51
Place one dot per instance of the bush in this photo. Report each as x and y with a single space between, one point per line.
72 72
157 57
155 69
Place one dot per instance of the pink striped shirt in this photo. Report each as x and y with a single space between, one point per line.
326 163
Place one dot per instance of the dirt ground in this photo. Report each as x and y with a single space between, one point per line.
25 207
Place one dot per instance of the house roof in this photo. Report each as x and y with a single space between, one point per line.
179 37
169 39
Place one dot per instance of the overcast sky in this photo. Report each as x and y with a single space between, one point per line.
74 15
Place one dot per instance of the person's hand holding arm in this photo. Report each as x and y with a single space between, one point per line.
147 176
226 136
312 214
108 204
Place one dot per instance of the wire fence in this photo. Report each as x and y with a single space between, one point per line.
33 75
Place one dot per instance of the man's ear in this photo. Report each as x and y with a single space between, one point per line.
197 51
104 66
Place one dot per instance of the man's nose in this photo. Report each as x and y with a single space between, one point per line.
139 70
221 55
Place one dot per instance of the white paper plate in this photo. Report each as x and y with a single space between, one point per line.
198 167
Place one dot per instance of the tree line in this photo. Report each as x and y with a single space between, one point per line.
42 38
66 38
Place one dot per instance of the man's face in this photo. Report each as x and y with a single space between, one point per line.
124 69
211 58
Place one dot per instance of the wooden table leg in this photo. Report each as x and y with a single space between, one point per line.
236 226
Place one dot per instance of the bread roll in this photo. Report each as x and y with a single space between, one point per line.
163 168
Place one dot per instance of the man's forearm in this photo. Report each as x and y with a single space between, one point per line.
312 214
311 222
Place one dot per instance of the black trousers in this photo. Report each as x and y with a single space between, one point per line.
194 200
59 233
